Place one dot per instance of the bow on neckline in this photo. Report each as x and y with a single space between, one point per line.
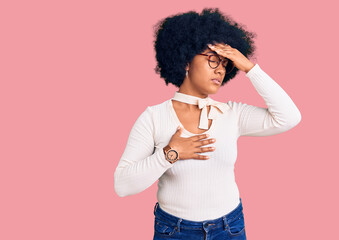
213 114
202 104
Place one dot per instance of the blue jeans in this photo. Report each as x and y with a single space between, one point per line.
227 227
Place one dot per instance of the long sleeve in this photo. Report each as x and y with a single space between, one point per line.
280 116
139 166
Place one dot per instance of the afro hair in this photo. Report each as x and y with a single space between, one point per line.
178 38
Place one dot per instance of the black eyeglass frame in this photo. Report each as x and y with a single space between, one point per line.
220 60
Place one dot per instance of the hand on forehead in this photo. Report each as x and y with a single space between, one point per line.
210 51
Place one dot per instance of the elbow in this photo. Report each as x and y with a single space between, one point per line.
121 187
118 188
294 121
124 190
120 193
289 122
297 118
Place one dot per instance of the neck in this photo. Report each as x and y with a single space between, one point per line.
188 88
192 93
187 105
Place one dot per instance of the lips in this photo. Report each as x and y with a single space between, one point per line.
216 80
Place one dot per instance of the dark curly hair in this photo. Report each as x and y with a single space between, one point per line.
178 38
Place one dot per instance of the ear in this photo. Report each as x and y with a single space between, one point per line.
187 68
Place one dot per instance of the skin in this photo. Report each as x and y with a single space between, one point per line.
199 83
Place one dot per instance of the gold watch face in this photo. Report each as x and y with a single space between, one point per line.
172 155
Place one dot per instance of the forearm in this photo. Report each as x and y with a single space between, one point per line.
133 177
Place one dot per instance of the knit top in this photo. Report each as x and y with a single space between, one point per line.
193 189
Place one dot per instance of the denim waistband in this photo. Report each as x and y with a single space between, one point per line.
226 219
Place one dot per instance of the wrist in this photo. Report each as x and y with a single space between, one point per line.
249 68
163 150
171 155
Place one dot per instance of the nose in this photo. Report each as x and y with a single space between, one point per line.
220 69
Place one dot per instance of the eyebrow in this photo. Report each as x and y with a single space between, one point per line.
216 54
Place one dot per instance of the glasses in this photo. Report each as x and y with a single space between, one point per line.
214 62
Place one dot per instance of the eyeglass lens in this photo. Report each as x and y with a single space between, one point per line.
214 63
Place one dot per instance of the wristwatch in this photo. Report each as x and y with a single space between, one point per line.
171 155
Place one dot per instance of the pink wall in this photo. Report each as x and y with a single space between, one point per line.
67 105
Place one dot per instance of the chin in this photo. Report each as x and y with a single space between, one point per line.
213 91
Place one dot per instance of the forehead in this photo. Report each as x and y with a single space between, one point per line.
210 52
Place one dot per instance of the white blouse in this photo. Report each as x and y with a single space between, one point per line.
192 189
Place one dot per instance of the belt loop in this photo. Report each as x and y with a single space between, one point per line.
178 224
225 222
155 207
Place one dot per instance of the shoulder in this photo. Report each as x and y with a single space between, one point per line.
153 111
229 105
235 106
160 107
240 107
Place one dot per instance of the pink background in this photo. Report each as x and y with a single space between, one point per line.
75 75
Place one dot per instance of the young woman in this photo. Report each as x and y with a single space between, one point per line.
189 142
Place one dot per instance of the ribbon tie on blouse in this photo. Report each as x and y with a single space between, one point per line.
202 104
